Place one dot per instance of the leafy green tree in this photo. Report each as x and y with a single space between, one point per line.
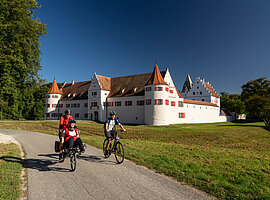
232 102
256 94
19 56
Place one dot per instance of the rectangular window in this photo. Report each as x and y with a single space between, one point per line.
158 101
109 104
167 102
48 115
140 103
77 115
85 104
85 115
148 89
54 114
61 105
181 115
78 105
171 91
128 103
94 93
200 93
59 114
118 103
54 105
104 103
55 96
148 101
167 89
180 103
159 88
172 103
72 105
94 104
49 97
67 105
193 93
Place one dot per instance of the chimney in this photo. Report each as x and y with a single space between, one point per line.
73 82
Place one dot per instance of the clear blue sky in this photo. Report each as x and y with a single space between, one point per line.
225 41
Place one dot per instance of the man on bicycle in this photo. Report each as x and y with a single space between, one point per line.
71 138
110 128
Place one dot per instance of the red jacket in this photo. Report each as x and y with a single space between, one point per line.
67 136
64 121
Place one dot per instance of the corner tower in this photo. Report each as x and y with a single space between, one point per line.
51 102
155 95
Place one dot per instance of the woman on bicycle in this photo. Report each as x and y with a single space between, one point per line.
110 127
71 138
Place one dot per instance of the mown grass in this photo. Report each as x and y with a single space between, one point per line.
226 160
10 168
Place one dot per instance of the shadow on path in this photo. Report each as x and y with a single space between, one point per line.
98 159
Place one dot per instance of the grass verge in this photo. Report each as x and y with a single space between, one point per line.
10 169
226 160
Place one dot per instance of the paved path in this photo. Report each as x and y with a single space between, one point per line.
94 178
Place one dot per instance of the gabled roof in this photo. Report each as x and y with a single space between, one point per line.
132 85
77 91
54 88
105 82
210 89
200 102
156 78
187 85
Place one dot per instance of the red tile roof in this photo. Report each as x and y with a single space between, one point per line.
210 89
200 102
54 88
78 91
156 78
105 82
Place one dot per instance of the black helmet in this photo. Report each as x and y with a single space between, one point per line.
72 121
67 112
112 113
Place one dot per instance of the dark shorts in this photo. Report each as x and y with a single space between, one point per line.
110 134
61 134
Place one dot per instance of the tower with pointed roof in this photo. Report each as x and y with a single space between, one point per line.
51 101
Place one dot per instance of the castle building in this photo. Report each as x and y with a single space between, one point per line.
149 98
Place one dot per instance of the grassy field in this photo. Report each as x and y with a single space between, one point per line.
10 168
226 160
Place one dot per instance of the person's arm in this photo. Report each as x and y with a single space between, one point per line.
61 123
122 127
106 127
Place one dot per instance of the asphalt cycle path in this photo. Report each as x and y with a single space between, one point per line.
95 177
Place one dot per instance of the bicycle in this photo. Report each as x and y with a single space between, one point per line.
117 149
72 153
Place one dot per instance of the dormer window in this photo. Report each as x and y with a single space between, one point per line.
69 95
134 90
148 89
122 91
74 95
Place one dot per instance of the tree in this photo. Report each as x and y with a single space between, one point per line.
256 94
232 102
19 56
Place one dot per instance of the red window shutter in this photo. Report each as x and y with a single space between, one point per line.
184 115
112 103
155 101
181 103
161 88
155 88
161 102
179 115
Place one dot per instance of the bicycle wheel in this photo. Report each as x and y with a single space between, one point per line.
119 152
73 161
106 153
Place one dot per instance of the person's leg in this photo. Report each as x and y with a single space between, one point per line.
71 142
78 142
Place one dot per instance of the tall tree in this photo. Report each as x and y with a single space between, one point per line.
19 56
256 94
232 102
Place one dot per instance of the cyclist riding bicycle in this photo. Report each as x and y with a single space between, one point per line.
63 125
110 128
71 138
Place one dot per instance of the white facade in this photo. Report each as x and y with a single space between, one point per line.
160 104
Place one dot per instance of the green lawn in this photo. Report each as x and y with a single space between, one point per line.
10 168
226 160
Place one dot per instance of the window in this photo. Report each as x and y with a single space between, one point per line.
198 87
140 103
109 104
158 88
128 103
85 115
85 104
118 103
55 96
59 114
104 104
54 105
172 103
77 115
182 115
93 104
171 91
193 93
148 101
49 97
148 89
200 93
47 114
60 105
202 99
158 101
48 105
167 102
94 93
167 89
180 103
54 114
67 105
